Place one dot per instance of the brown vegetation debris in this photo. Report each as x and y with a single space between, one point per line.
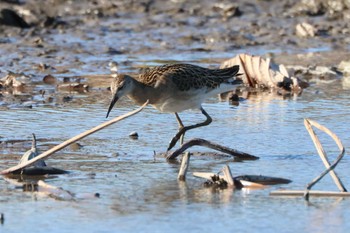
80 87
260 73
305 30
10 81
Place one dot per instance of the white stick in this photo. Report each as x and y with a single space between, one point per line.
300 193
72 140
184 166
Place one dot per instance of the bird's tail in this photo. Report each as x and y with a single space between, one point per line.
227 73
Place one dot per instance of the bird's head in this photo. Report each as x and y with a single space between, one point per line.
121 85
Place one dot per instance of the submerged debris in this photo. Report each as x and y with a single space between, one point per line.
31 154
216 182
244 181
134 135
44 189
39 168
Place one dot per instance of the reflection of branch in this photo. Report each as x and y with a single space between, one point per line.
72 140
202 142
329 167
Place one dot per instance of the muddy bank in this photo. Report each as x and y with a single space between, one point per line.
70 30
62 50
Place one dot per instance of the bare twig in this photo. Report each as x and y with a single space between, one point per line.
202 142
70 141
329 167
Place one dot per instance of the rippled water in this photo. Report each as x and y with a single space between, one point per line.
140 193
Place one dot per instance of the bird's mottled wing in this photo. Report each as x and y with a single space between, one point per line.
186 76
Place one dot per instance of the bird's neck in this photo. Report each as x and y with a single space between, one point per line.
140 93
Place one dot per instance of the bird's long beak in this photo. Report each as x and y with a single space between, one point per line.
114 100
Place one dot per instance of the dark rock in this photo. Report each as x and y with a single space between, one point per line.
49 79
9 17
134 135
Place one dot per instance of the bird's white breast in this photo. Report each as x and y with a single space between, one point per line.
178 101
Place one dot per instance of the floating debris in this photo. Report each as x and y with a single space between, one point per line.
79 87
32 153
243 181
305 30
10 81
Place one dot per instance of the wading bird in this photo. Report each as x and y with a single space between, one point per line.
175 88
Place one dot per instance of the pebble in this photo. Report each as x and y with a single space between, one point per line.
134 135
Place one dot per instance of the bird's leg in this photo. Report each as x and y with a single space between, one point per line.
181 126
184 129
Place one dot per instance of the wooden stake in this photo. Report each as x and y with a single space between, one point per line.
184 166
72 140
228 176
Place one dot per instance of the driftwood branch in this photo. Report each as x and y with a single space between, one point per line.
202 142
70 141
329 167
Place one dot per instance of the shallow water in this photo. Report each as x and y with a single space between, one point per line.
139 192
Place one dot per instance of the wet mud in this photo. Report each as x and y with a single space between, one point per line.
63 48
